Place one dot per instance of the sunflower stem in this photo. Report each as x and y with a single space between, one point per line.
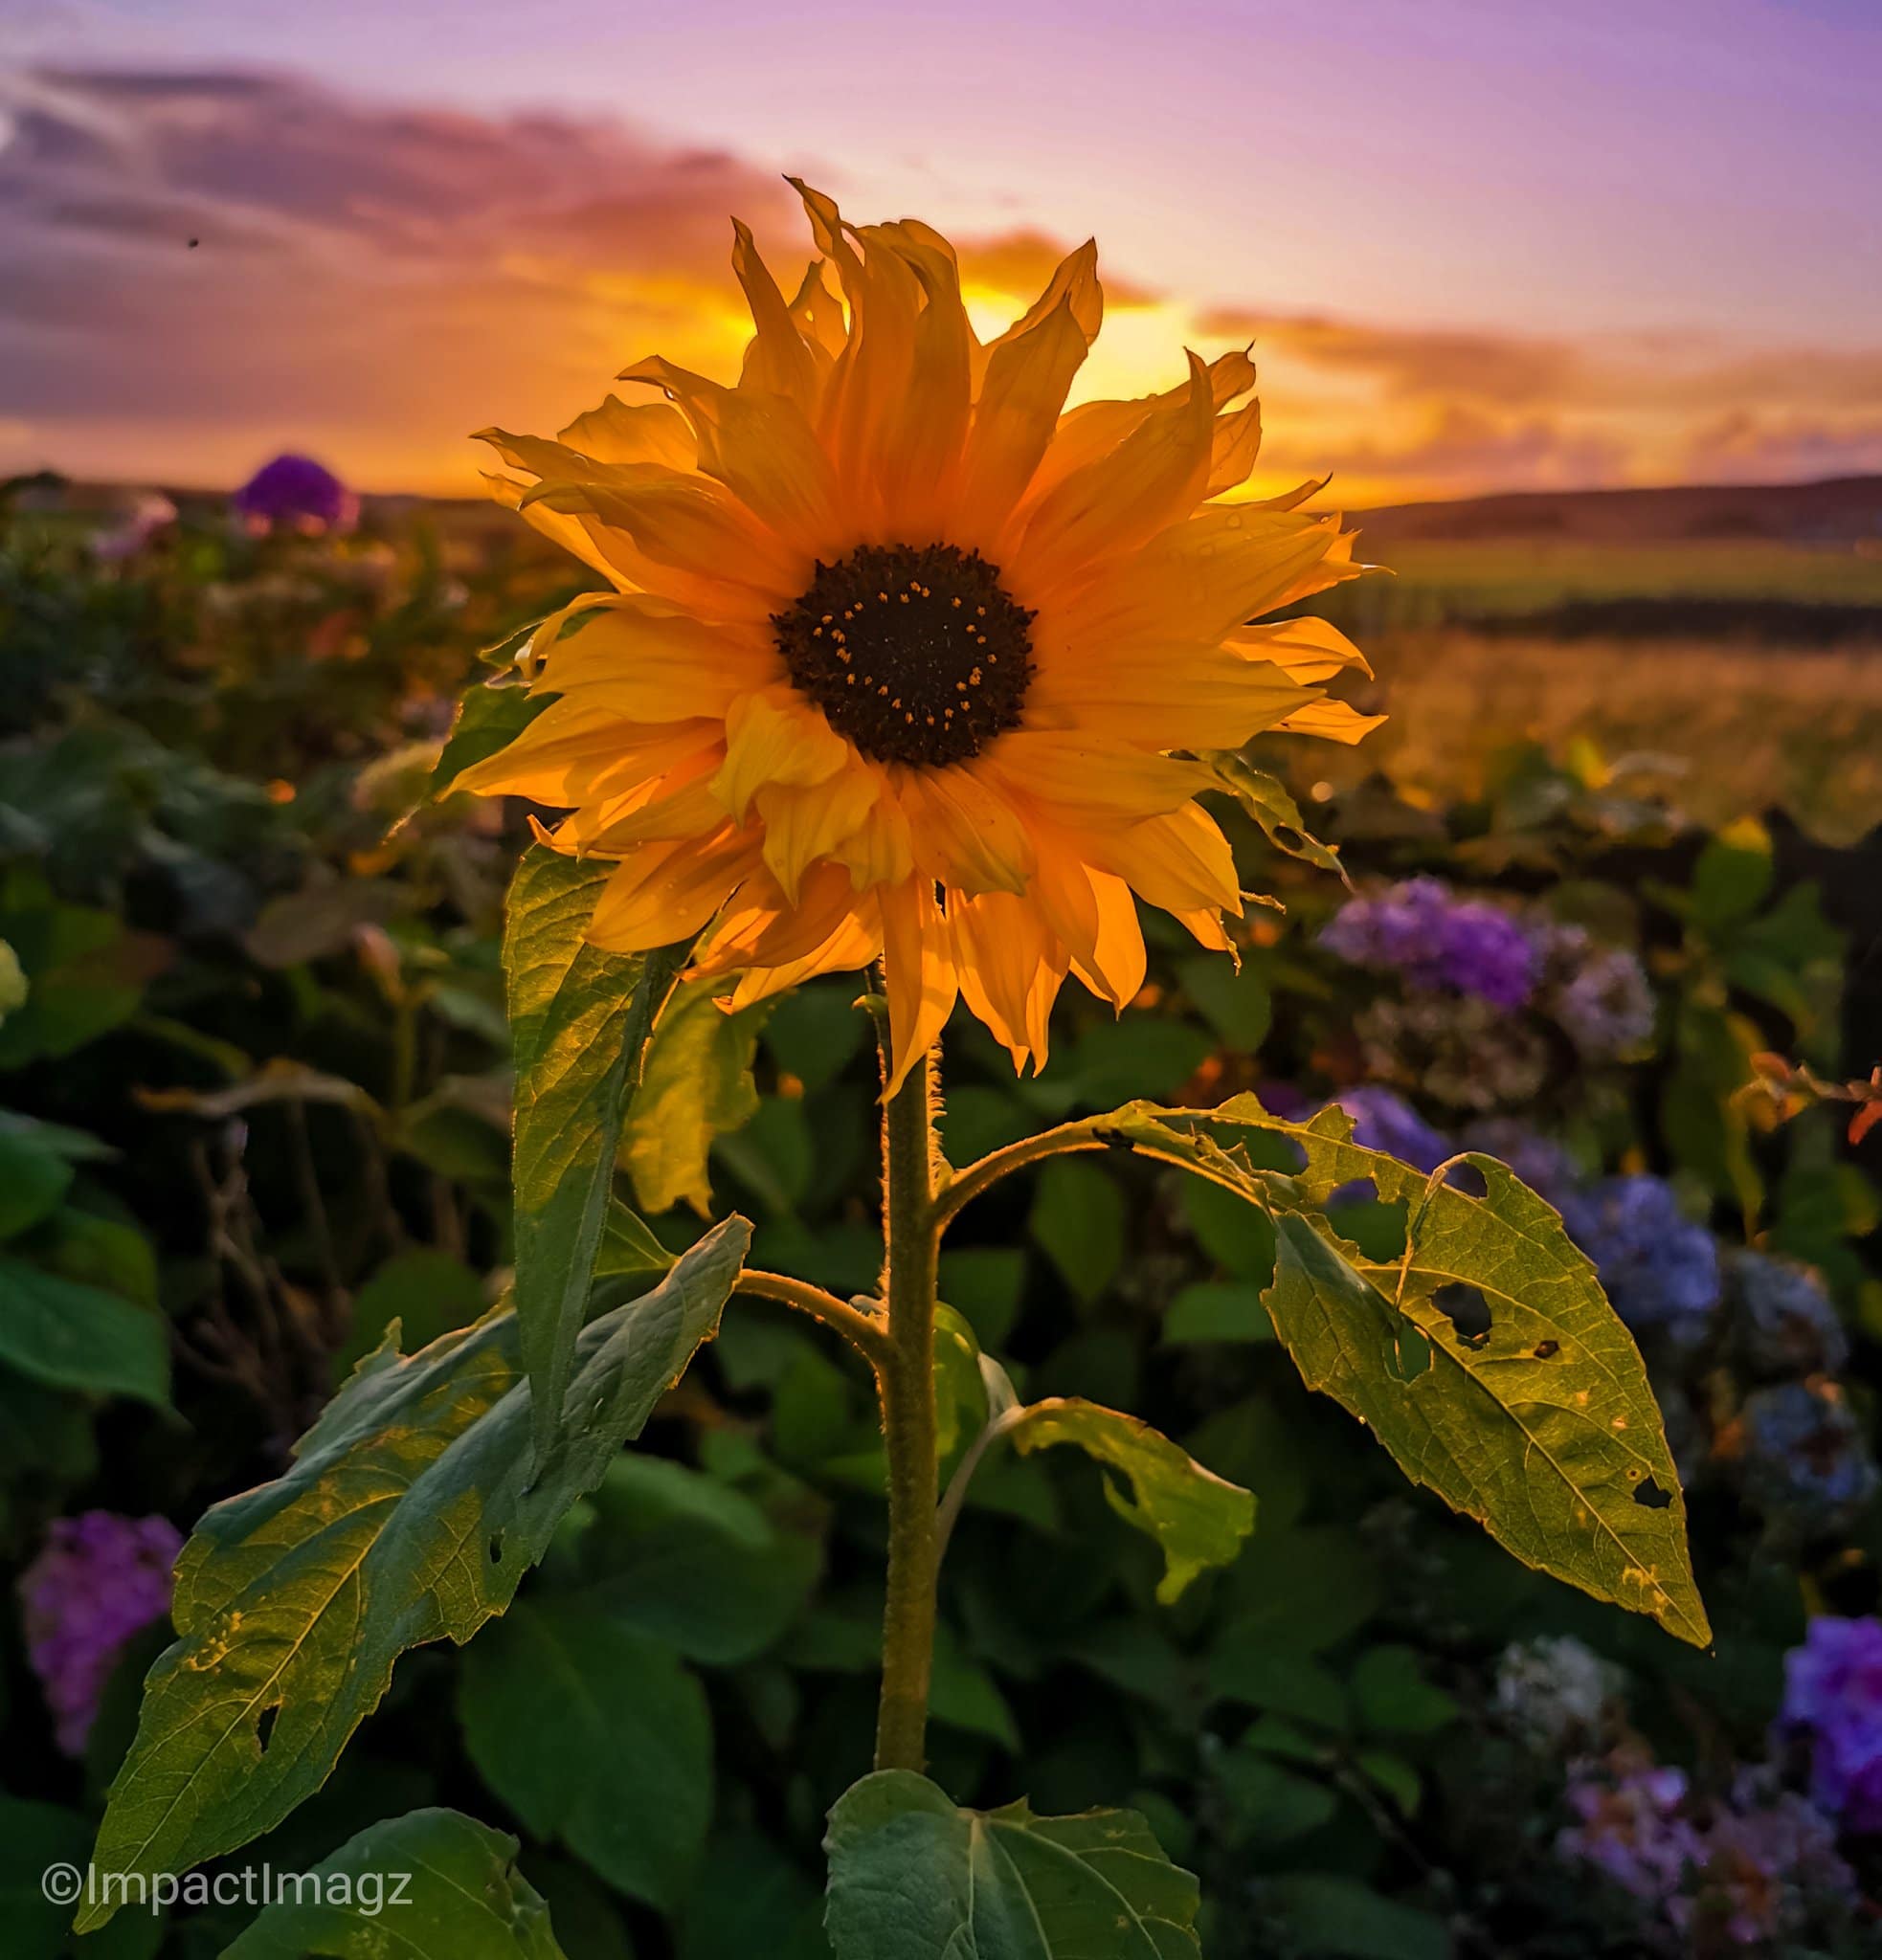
905 1375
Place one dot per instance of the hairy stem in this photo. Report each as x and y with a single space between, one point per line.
905 1372
965 1185
863 1330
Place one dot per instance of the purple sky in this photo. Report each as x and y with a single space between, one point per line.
1481 243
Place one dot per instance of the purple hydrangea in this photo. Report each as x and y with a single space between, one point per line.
99 1579
1631 1824
1833 1705
1605 1005
1805 1454
295 493
1758 1865
1424 932
1769 1855
1660 1270
1382 1121
1783 1323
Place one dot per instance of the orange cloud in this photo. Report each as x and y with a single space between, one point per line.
203 270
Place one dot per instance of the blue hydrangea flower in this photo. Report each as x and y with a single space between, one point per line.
1834 1705
1804 1453
1660 1270
1422 930
1782 1321
100 1579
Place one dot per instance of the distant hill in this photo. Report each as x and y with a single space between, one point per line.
1844 510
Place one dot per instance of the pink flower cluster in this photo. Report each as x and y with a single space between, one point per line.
99 1580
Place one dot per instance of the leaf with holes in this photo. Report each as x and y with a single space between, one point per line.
914 1878
1488 1361
580 1023
1265 799
1198 1517
449 1884
413 1510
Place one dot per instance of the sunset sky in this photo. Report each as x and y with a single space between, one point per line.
1478 246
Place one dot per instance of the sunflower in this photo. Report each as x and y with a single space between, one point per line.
899 659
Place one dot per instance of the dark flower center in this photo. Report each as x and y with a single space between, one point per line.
913 652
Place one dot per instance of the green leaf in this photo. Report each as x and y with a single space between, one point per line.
426 1292
1342 1917
693 1562
72 1336
1266 800
1733 876
1217 1310
413 1510
580 1021
1077 1221
12 981
751 1900
1235 1001
913 1878
1392 1697
32 1179
34 1837
489 718
1490 1364
696 1085
1197 1516
432 1886
596 1736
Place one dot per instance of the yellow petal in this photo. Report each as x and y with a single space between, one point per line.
647 660
764 452
964 832
672 806
1018 407
1197 582
647 433
856 942
1093 430
1173 696
1074 284
777 361
1306 649
666 893
1094 918
1233 447
918 967
1085 779
881 850
1332 721
573 751
803 823
775 736
818 315
689 533
1111 506
1011 968
924 433
1180 863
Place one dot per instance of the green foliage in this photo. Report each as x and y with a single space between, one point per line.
914 1878
458 1896
596 1736
580 1021
695 1086
1198 1518
410 1514
1486 1360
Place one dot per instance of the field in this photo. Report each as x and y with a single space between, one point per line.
256 1101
